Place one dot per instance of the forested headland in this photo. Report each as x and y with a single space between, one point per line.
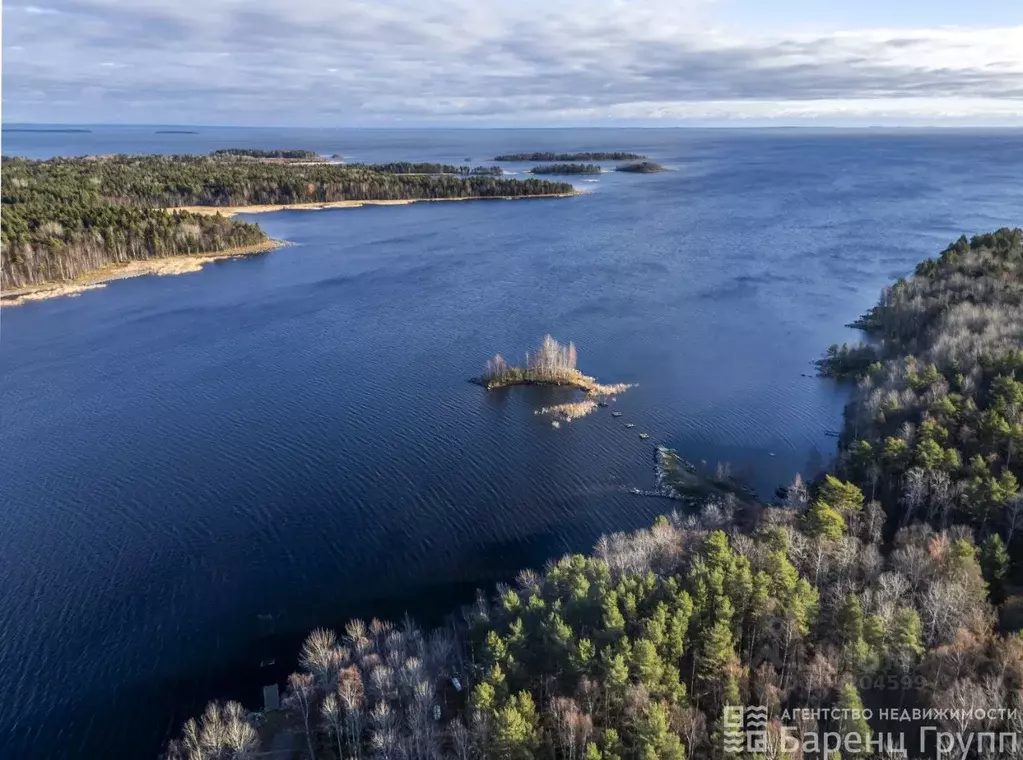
566 169
935 429
614 156
67 216
412 167
887 584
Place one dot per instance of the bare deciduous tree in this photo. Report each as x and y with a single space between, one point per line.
463 742
334 719
301 700
223 732
350 693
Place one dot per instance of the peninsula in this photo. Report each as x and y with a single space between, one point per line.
413 167
65 219
541 156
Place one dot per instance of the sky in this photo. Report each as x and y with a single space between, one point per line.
407 63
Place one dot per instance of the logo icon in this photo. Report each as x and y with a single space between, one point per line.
745 728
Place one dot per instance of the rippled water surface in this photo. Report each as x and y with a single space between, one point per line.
198 469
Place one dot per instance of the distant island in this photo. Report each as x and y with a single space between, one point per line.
551 364
65 219
411 167
566 169
615 156
643 167
56 130
175 132
305 155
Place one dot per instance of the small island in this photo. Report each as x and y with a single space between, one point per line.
551 364
615 156
642 167
566 169
175 132
302 155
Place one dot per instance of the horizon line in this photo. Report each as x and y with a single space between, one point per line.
734 127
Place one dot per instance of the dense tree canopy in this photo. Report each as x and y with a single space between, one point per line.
412 167
566 169
935 429
258 153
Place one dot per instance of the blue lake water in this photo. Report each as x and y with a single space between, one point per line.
198 469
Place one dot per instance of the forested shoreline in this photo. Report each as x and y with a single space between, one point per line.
566 169
643 167
544 156
887 584
67 216
413 167
302 155
935 428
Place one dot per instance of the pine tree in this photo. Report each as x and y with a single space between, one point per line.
852 721
515 729
845 497
647 665
824 522
994 562
613 620
907 637
654 738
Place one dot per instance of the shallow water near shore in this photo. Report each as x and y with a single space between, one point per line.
200 468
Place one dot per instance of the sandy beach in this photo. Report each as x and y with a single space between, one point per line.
168 265
261 209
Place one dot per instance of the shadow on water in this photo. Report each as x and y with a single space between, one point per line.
271 652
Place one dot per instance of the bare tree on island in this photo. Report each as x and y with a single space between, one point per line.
552 363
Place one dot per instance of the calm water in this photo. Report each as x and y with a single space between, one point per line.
198 469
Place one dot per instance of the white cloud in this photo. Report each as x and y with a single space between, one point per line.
462 60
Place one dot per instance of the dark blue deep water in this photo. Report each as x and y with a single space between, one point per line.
198 469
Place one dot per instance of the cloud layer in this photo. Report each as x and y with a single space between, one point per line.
465 62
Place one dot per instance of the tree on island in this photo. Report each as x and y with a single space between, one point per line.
550 363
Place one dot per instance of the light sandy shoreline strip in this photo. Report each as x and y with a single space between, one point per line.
98 278
232 210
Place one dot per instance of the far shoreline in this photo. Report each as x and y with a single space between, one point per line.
163 266
324 205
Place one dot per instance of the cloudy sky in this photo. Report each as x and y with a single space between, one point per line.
509 63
